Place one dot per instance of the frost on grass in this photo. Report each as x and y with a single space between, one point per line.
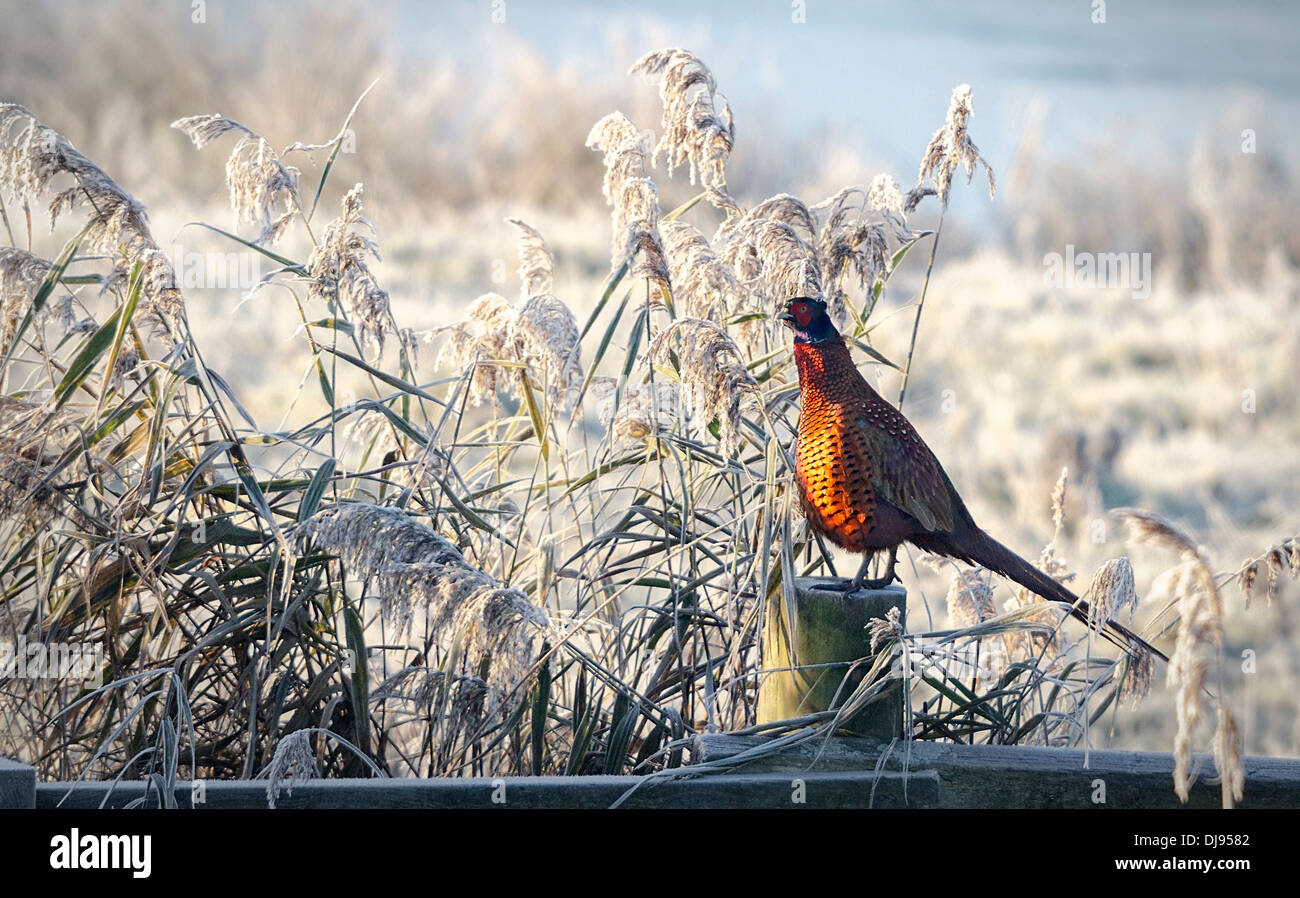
257 179
715 380
951 148
1198 650
339 269
495 630
698 130
33 155
503 342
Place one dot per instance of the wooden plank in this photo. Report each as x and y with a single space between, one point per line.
835 773
1013 776
17 785
842 789
826 773
830 640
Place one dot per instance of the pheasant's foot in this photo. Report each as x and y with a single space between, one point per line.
836 584
861 581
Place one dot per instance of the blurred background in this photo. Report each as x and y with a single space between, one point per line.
1167 128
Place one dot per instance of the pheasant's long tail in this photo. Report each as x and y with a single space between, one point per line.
978 547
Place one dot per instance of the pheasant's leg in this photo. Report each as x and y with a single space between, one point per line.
860 581
860 578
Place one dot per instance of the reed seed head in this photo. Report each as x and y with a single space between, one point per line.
696 132
970 598
951 148
626 152
498 630
636 219
714 377
788 265
646 411
255 175
545 337
887 199
479 339
339 268
32 155
536 264
293 763
1276 560
707 287
885 629
21 275
1112 589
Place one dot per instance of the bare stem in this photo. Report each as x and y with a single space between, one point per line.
920 305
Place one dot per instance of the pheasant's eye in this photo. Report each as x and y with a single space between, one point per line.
802 313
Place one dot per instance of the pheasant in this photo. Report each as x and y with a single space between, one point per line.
870 483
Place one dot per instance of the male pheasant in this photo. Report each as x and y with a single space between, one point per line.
869 482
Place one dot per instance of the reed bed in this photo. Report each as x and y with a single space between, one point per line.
546 549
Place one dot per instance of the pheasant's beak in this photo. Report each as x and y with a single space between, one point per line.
786 318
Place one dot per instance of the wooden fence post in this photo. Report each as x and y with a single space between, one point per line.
830 628
17 785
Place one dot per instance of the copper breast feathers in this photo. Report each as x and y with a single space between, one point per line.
858 461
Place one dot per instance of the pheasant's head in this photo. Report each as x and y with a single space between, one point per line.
808 320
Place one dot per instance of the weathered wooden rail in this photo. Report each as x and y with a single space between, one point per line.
1014 776
836 773
875 770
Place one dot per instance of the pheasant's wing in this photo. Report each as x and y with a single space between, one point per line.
906 473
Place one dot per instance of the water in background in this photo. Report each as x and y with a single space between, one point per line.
881 71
